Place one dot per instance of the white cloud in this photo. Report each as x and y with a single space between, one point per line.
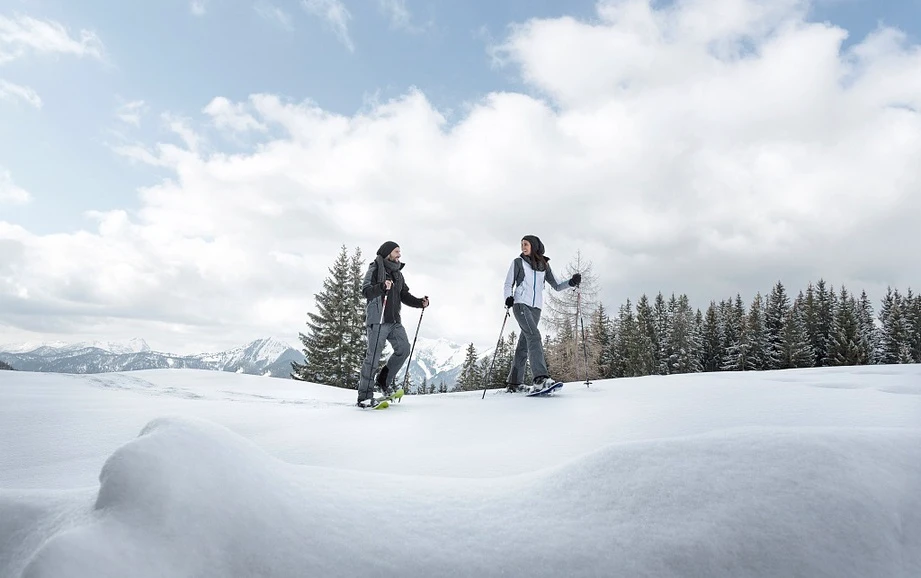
198 7
401 18
335 14
230 116
9 192
182 127
678 151
132 112
21 34
275 15
399 14
138 153
11 91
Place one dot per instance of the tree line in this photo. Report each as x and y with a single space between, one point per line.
820 326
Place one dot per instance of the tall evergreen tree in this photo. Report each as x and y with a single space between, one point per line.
602 335
895 342
624 337
355 341
504 360
470 377
797 348
778 305
711 350
737 328
868 336
646 345
824 322
5 366
913 320
699 333
661 322
811 321
890 327
844 348
761 354
335 342
500 362
683 339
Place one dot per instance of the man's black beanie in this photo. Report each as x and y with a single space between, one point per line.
387 248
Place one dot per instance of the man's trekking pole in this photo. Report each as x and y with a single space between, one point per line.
582 323
406 375
498 344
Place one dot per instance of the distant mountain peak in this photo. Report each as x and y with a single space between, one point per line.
434 360
134 345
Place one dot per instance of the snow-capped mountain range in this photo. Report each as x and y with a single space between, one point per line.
436 360
433 359
270 356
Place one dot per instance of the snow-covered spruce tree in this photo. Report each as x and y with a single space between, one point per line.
661 322
729 330
737 333
776 312
624 336
760 352
470 377
682 337
602 335
504 360
895 333
699 331
645 347
356 339
844 348
913 318
334 344
483 369
811 321
495 366
868 334
5 366
825 297
797 347
711 348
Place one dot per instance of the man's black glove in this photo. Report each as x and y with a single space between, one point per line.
576 279
509 301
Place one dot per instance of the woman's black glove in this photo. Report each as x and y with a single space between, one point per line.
509 301
576 279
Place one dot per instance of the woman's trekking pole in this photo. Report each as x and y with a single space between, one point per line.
406 375
582 323
498 344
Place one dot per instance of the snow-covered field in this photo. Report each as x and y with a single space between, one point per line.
186 473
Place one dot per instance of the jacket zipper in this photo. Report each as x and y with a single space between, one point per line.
534 291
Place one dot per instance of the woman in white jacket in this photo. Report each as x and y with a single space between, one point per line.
524 293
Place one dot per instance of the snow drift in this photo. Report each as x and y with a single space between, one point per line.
189 497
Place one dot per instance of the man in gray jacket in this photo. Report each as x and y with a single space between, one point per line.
385 289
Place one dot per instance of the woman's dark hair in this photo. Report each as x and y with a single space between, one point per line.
539 261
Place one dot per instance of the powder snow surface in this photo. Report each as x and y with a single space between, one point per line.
195 473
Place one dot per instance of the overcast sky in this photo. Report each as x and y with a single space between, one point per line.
186 172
